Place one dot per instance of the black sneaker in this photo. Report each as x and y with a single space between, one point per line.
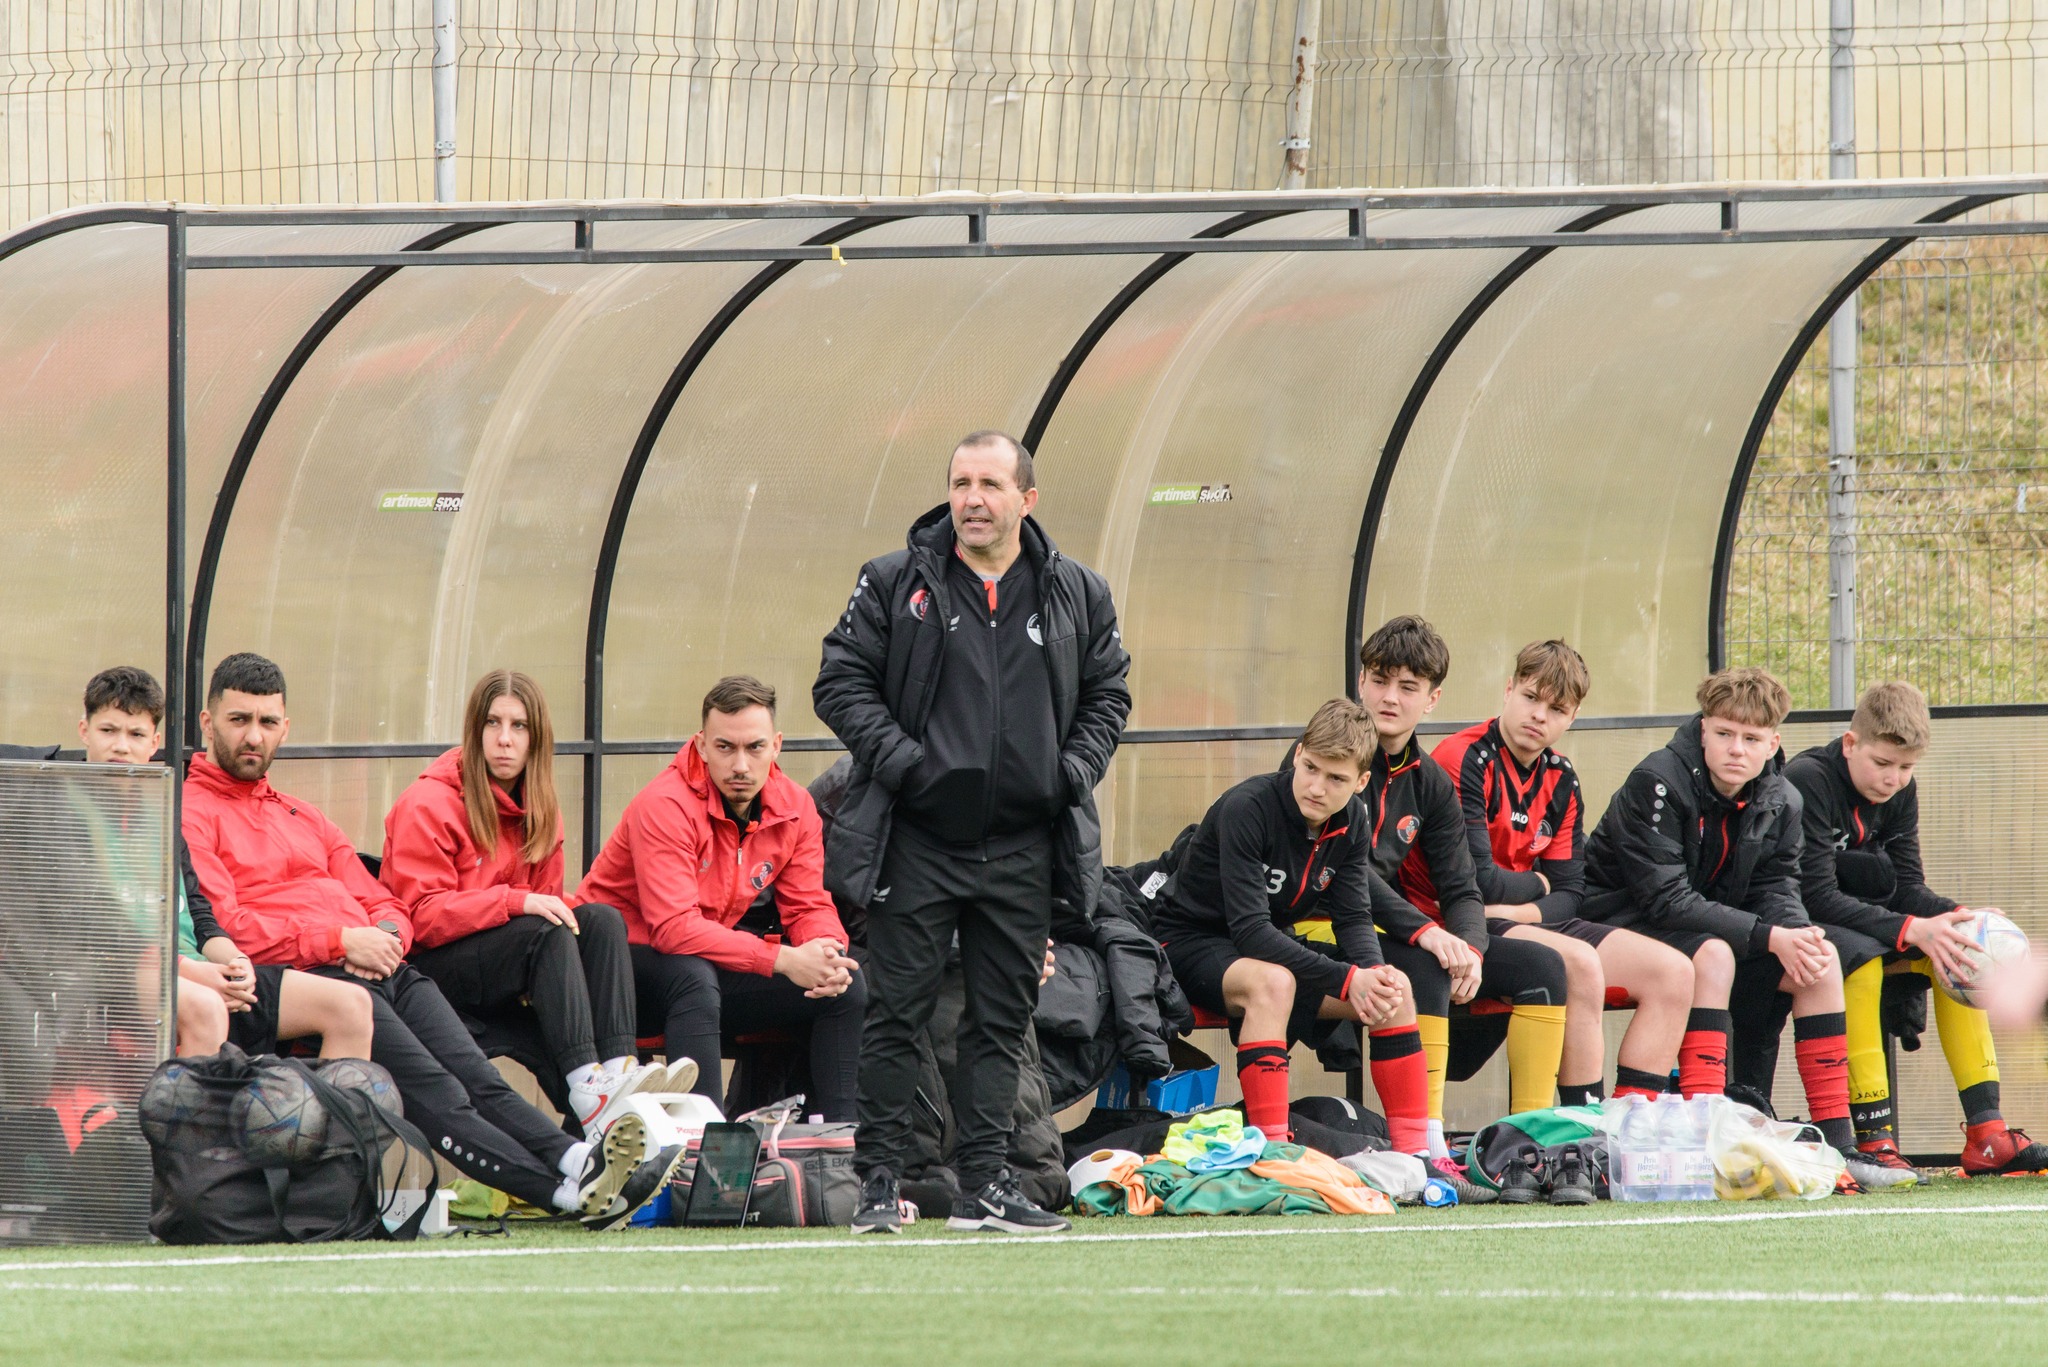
1520 1183
642 1185
881 1209
1001 1206
1571 1182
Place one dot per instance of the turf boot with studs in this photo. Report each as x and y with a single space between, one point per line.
1875 1176
2002 1152
881 1208
1001 1206
642 1185
1885 1154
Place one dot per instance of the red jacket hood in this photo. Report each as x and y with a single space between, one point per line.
781 798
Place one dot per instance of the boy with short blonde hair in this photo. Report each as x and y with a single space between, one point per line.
1700 849
1861 877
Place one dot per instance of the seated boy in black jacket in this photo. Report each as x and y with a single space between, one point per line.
1275 849
1700 849
1862 880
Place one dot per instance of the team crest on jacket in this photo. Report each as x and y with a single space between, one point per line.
920 603
1031 630
1541 840
1322 880
1407 828
762 873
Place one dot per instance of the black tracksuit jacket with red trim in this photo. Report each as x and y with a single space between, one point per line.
1514 822
1854 843
1671 854
1253 870
1419 832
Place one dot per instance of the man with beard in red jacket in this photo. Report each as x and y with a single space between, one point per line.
288 888
696 848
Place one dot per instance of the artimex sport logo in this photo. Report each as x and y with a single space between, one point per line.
418 501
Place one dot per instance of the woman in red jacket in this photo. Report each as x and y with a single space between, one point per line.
474 850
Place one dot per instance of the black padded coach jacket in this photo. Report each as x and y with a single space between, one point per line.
882 669
1654 862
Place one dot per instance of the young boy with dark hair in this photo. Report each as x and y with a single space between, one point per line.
1419 846
1700 849
1862 879
1525 823
1275 850
222 997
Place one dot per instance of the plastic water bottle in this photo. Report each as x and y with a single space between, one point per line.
1637 1153
1437 1192
1682 1136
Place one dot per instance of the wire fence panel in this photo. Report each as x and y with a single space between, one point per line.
1951 501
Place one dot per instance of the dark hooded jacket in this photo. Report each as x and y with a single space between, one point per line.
885 672
1671 854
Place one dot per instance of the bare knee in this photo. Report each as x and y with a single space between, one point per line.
1584 978
202 1019
1261 987
1713 969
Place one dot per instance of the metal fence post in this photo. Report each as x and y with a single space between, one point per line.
1842 345
1308 22
175 699
444 101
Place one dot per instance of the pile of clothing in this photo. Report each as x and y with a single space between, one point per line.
1215 1164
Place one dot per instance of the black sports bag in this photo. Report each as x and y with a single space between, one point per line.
251 1150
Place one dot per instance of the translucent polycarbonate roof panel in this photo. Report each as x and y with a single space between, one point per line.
1227 430
1567 474
520 388
816 431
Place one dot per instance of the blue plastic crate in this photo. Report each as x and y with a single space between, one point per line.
1181 1093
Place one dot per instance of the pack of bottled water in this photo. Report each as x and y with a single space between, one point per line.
1657 1148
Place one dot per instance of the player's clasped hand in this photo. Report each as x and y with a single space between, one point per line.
1457 958
820 967
1805 953
368 952
1376 994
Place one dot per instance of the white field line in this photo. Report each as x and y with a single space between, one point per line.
1366 1226
1070 1293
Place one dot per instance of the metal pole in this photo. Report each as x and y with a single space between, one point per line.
1842 346
444 101
175 692
1308 20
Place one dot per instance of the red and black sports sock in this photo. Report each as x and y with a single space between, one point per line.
1703 1052
1581 1093
1262 1074
1402 1080
1636 1082
1822 1043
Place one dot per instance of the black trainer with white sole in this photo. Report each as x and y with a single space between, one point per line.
642 1185
1001 1206
881 1206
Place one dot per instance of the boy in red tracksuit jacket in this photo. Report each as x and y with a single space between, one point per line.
693 851
482 881
287 887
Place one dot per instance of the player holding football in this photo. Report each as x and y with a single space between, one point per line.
1861 878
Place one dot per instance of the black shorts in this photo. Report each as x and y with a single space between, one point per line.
1591 932
255 1031
1200 958
1856 949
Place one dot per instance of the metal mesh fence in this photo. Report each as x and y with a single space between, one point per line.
1951 518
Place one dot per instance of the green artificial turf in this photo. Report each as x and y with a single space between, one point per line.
1646 1284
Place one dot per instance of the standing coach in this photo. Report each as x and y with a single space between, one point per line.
978 678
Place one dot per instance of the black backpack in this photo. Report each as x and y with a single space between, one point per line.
271 1150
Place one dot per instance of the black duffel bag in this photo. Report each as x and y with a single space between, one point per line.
253 1150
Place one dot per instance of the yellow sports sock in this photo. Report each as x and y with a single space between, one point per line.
1861 992
1535 1043
1436 1057
1965 1036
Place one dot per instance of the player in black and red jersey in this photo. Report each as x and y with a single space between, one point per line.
1525 823
1419 837
1274 849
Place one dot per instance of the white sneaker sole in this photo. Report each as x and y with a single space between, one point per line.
625 1147
681 1076
991 1223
